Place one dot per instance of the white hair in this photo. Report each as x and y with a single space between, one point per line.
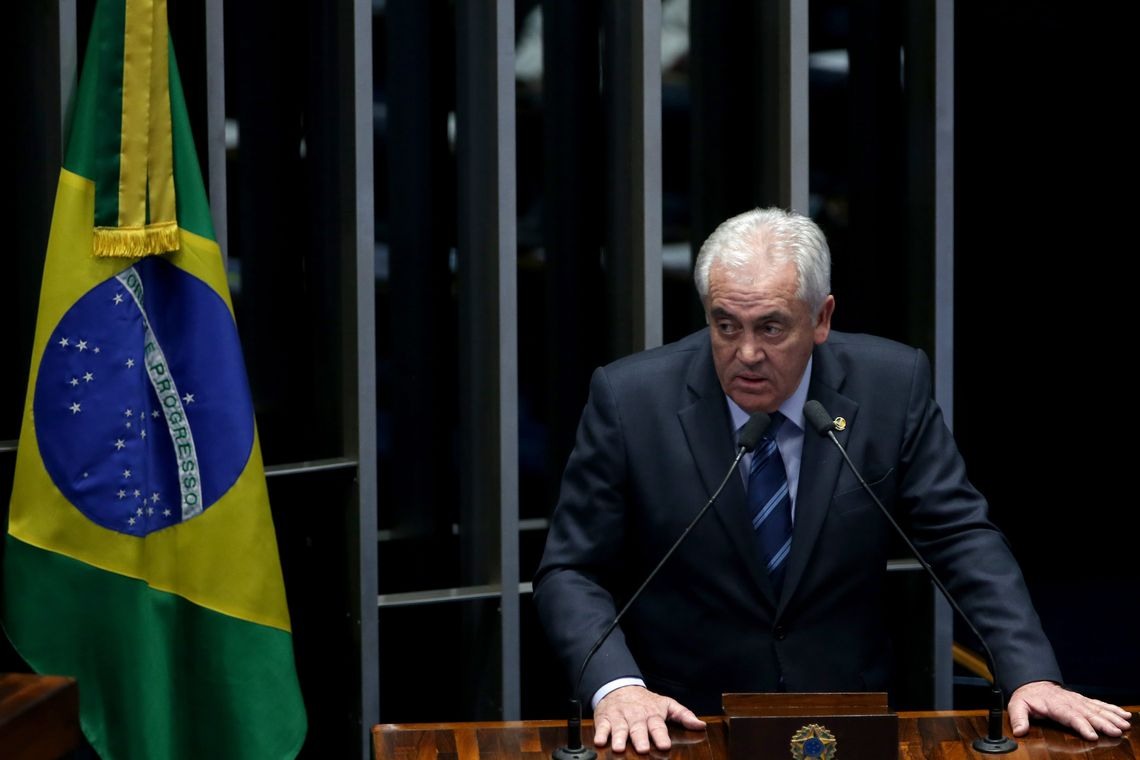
779 235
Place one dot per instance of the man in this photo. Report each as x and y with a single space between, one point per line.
734 609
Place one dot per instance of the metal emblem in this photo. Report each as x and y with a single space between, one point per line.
814 741
839 423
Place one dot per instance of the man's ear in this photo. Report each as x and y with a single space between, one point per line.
823 320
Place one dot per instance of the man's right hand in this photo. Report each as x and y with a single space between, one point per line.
637 714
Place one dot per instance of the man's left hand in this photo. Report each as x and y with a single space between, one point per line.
1045 699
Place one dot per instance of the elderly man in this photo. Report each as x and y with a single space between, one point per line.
780 586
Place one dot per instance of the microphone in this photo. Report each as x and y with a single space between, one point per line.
994 743
749 436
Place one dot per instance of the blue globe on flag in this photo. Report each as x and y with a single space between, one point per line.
135 432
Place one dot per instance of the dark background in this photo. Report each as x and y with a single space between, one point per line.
1042 230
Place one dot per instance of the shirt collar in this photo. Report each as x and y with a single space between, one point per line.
792 408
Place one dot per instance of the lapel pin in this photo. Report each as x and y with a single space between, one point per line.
839 423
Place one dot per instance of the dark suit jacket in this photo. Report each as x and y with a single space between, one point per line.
655 440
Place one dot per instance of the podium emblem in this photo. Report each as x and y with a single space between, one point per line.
813 741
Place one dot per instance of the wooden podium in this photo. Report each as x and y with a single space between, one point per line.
921 736
854 726
39 716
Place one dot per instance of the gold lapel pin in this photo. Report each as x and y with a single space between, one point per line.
839 423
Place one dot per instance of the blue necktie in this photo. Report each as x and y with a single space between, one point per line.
770 504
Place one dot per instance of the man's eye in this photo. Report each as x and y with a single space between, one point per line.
772 329
726 328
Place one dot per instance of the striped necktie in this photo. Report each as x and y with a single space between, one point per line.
770 504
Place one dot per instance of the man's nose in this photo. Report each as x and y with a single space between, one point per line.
751 350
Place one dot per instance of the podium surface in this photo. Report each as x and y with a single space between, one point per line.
945 735
39 716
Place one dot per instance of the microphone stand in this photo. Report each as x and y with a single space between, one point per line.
749 437
574 749
995 742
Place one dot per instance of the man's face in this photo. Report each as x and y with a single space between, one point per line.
762 334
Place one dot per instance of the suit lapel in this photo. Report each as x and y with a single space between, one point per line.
708 431
819 468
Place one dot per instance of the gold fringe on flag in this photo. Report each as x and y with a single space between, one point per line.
136 242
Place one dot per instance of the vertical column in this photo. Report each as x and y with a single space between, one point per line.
632 85
488 369
68 63
357 243
216 118
929 76
943 224
792 86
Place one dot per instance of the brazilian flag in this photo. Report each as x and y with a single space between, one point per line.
140 556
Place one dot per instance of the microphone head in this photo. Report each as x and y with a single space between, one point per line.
817 417
752 431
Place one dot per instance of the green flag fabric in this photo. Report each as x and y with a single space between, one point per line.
140 556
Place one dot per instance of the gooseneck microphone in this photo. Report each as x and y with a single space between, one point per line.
749 436
994 743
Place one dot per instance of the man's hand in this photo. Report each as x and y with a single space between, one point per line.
1045 699
638 714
